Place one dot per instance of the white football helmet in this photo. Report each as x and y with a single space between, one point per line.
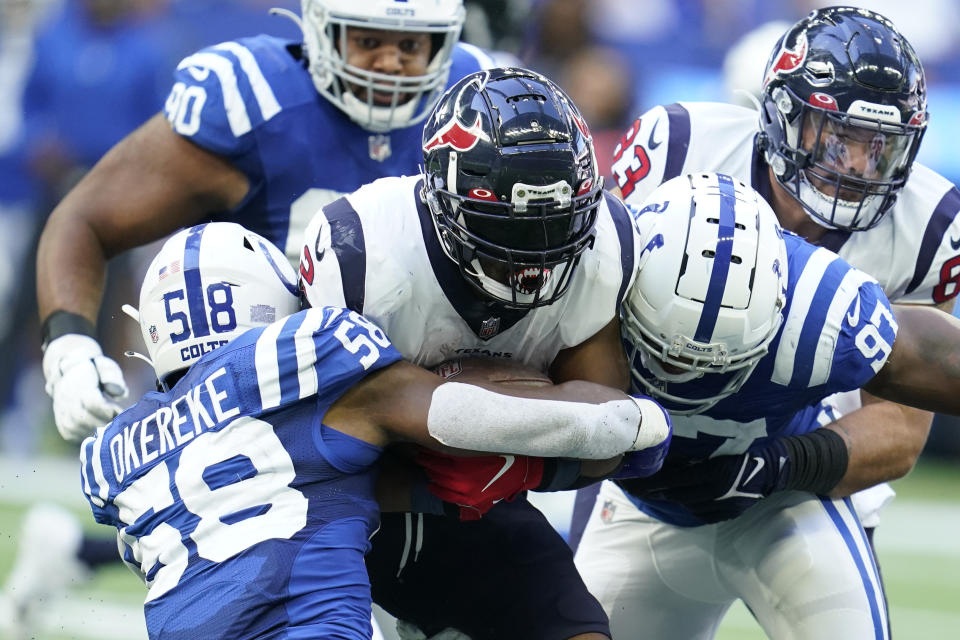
709 291
324 24
206 286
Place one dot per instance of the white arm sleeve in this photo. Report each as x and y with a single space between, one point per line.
470 417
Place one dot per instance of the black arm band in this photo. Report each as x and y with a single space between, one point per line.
60 323
818 461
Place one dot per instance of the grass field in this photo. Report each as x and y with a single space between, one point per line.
918 545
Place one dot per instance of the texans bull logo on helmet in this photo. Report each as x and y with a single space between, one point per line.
454 134
788 60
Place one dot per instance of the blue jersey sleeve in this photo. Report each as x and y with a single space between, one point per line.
221 94
837 330
868 330
321 351
97 478
467 59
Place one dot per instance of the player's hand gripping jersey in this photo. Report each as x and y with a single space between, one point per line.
252 101
922 229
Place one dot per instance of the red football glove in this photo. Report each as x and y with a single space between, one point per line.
475 484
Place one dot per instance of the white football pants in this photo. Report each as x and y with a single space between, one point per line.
801 564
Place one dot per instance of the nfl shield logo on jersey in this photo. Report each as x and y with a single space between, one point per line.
448 369
607 511
489 328
379 147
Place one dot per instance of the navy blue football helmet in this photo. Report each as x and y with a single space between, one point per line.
843 113
512 184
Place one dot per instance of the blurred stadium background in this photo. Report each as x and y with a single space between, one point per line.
78 75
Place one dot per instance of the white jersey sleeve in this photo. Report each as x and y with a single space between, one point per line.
670 140
359 234
924 264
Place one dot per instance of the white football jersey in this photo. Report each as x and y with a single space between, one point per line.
376 252
914 252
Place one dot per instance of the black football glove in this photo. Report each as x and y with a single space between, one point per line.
718 488
723 487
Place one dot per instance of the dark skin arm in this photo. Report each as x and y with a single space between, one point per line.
151 183
599 359
884 439
923 368
392 405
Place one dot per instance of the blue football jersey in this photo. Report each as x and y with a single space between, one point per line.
253 101
837 331
244 514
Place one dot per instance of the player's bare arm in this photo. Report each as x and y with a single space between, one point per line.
599 359
924 366
151 183
884 439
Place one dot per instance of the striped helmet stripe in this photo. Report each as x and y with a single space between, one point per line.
194 283
721 262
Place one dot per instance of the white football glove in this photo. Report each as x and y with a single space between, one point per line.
83 383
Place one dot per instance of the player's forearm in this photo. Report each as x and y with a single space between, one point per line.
883 441
599 359
470 417
71 266
923 369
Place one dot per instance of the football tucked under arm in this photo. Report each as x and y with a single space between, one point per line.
500 407
570 421
478 370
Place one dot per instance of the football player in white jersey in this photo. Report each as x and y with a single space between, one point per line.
740 330
843 112
256 456
505 246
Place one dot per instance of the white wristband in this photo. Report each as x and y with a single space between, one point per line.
470 417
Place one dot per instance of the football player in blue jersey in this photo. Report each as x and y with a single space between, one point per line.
843 112
741 330
243 490
258 131
832 151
